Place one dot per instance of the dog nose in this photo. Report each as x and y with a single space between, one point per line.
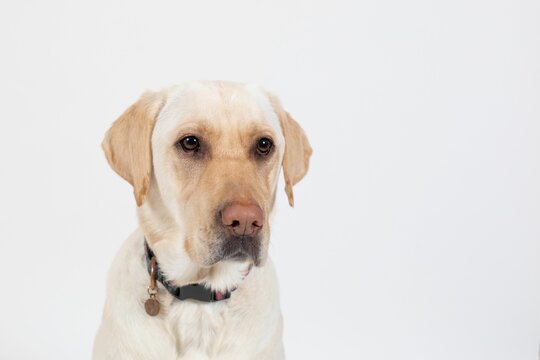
242 219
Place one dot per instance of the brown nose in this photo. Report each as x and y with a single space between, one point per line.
242 219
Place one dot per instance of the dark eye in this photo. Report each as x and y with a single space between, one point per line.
190 143
264 145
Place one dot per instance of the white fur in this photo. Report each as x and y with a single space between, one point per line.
246 326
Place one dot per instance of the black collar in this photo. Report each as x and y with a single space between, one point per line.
192 291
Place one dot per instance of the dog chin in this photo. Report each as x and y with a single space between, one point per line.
241 256
227 275
238 257
239 249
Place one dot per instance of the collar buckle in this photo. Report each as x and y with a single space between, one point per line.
197 292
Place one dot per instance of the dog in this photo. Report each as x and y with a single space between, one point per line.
194 281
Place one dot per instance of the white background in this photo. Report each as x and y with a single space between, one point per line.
416 233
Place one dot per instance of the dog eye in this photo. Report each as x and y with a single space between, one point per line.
190 143
264 145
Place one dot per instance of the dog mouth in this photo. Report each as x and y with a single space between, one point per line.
238 248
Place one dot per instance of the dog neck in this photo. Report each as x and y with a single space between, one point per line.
198 292
180 270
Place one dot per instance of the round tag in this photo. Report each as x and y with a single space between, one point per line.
152 307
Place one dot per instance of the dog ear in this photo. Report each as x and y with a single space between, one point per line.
297 149
127 143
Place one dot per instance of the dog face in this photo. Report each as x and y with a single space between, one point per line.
204 160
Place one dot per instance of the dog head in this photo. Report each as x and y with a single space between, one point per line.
204 159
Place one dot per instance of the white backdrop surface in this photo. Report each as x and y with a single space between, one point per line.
416 233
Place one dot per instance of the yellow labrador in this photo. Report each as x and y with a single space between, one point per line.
194 281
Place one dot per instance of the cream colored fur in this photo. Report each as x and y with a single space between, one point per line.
175 199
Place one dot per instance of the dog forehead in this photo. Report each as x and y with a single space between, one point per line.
224 105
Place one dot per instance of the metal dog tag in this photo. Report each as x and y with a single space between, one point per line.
151 306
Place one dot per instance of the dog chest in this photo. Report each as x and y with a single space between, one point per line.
197 328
